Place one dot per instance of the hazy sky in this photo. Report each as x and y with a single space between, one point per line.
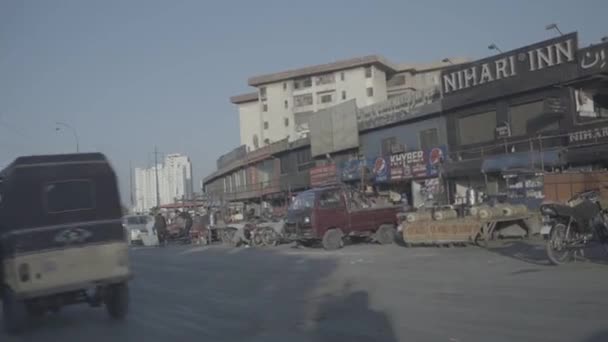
131 74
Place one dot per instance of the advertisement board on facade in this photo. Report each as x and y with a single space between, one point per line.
323 175
334 129
373 169
548 62
399 108
588 135
353 169
593 59
381 169
416 164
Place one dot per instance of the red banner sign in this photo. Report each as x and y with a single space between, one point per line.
322 175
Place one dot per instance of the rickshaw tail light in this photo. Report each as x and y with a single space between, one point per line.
24 272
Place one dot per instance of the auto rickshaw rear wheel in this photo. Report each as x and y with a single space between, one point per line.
117 300
14 312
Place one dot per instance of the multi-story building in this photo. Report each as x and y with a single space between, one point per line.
174 182
283 102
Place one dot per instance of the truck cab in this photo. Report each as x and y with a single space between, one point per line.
329 214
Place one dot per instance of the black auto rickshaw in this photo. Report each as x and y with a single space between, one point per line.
61 237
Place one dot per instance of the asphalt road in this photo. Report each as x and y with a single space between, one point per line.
360 293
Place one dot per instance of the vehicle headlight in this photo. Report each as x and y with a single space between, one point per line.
548 211
306 219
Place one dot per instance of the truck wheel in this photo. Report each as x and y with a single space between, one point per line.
385 234
117 300
270 237
332 239
14 312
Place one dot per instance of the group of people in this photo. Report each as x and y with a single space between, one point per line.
182 219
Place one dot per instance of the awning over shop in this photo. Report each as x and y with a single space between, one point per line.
523 160
587 155
463 168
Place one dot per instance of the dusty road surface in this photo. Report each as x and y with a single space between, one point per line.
360 293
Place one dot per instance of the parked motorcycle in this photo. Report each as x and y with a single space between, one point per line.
574 226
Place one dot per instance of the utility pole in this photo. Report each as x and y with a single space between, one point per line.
156 176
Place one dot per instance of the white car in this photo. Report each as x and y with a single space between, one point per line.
140 230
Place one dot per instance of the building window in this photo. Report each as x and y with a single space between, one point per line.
325 98
477 128
428 138
302 100
343 94
304 159
387 145
591 105
370 92
342 76
286 122
302 83
368 72
325 79
395 81
266 125
330 199
267 141
285 104
263 92
284 85
287 165
264 107
521 115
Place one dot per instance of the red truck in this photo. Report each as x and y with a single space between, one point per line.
329 214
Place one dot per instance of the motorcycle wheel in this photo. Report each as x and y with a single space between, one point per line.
602 237
557 247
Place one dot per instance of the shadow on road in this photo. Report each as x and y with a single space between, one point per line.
601 336
533 252
223 294
348 317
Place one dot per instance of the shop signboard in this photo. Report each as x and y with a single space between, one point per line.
416 164
593 59
323 175
399 108
548 62
407 165
588 135
503 130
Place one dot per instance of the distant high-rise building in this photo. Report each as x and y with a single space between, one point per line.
174 182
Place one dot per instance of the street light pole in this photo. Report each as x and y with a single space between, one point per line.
447 60
554 27
494 47
73 132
